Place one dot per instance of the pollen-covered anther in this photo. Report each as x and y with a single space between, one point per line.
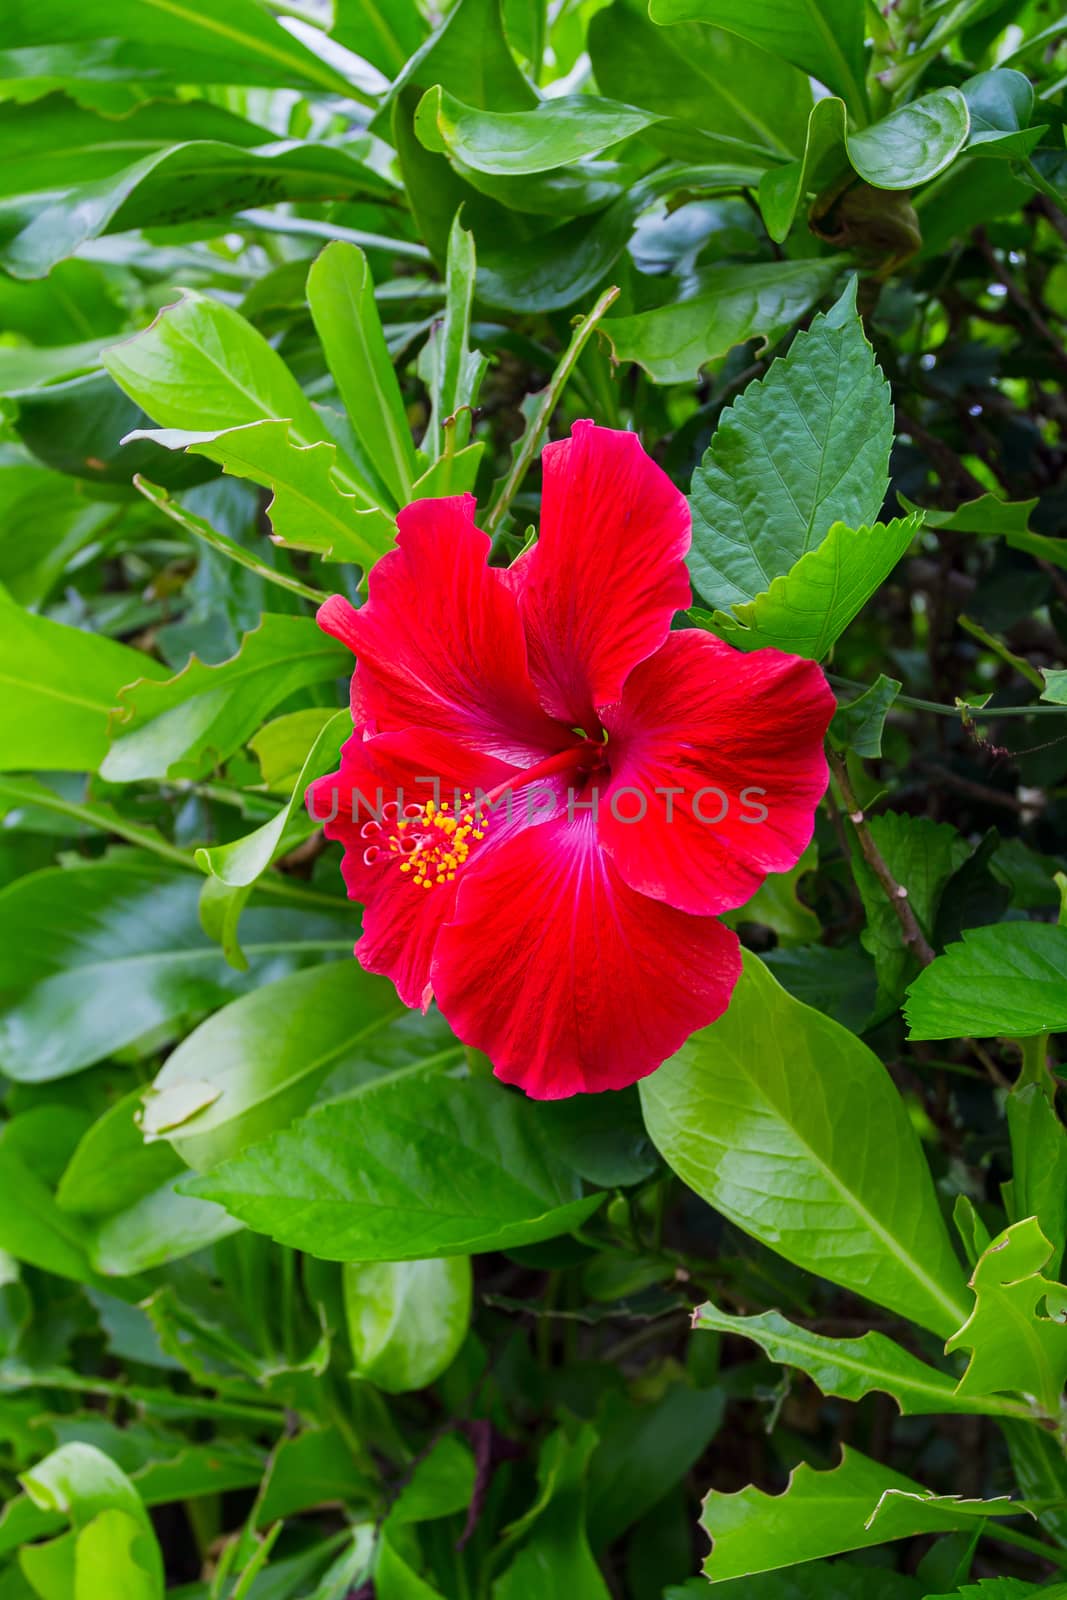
431 842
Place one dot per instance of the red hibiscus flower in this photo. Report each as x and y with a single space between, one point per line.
549 796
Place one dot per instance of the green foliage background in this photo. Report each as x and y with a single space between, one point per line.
267 273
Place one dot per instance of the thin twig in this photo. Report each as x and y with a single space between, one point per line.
897 894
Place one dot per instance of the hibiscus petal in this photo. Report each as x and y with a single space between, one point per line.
599 588
566 978
739 738
401 920
440 641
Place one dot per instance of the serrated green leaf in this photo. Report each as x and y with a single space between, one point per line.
1017 1332
1010 978
806 609
851 1507
781 1119
803 448
848 1368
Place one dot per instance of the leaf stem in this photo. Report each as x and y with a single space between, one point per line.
531 439
952 711
897 894
223 543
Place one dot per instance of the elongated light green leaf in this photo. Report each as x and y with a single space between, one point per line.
160 1226
727 305
851 1368
403 1171
1010 978
782 1120
186 726
340 293
806 609
452 370
59 686
805 447
256 1064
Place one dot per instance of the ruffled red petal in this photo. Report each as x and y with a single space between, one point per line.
738 740
599 588
440 642
564 976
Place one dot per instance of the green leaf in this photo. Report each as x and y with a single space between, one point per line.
146 40
1017 1332
114 1533
855 1505
782 1120
383 34
859 724
403 1171
1001 103
112 950
808 608
406 1319
821 37
912 144
256 1064
453 371
1039 1166
1010 978
514 143
1055 689
281 746
986 515
777 905
181 184
725 305
848 1368
200 366
160 1226
112 1166
838 980
644 1449
314 506
555 1562
60 685
922 856
190 724
340 292
469 55
802 448
33 1228
242 861
712 88
782 189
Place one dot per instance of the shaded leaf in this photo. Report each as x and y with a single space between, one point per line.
1010 978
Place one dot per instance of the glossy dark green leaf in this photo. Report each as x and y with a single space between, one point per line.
912 144
1010 978
555 1560
781 1120
402 1171
821 37
112 950
181 184
152 39
725 305
1001 104
712 88
643 1449
515 143
806 446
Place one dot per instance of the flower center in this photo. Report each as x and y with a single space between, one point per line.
429 842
